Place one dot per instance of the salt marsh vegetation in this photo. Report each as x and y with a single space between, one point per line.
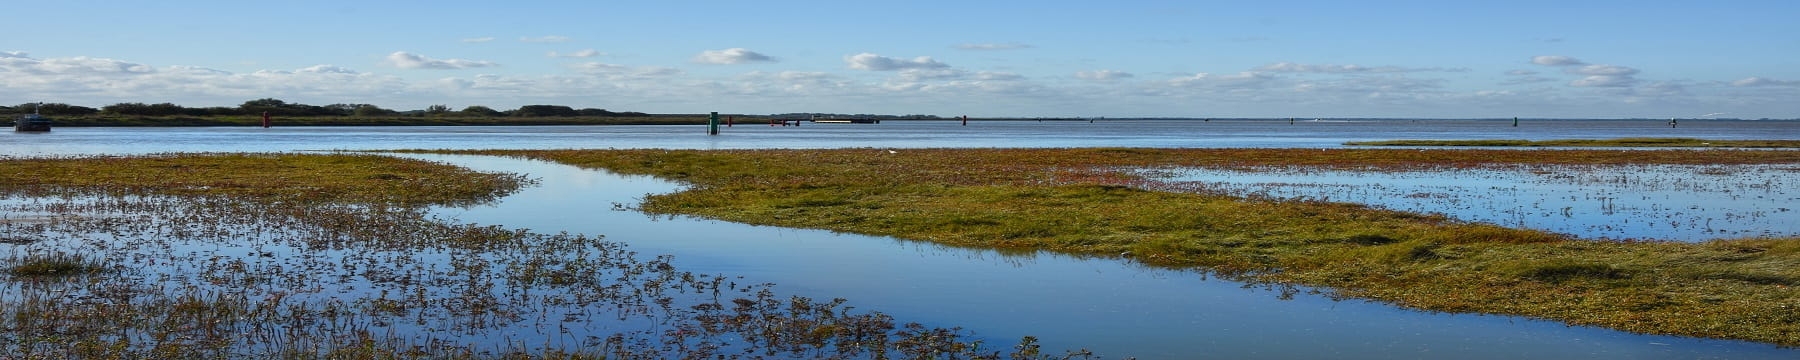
1690 203
1097 202
334 256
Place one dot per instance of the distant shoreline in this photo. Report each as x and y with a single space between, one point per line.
668 119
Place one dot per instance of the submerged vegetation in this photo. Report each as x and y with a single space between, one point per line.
1093 201
335 256
1625 142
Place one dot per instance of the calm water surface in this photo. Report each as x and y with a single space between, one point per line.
1664 202
1113 307
891 134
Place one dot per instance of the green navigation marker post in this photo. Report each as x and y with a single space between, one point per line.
712 123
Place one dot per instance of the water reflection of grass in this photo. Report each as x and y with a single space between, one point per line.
332 256
1085 201
1660 202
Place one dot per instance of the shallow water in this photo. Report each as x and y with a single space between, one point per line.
1659 202
890 134
1114 307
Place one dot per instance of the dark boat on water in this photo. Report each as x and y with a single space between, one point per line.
32 122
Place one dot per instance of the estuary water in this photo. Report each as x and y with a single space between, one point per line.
1113 307
888 134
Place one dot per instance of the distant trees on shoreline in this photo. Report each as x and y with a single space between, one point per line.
277 107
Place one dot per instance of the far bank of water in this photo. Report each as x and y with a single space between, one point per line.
889 134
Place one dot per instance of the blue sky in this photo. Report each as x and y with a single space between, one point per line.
1418 59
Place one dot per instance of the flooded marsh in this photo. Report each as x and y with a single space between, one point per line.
1690 203
1077 201
1084 294
170 271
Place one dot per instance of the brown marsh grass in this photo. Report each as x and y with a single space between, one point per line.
333 256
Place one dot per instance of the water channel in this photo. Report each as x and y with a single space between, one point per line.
1113 307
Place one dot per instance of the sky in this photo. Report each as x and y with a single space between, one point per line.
1047 58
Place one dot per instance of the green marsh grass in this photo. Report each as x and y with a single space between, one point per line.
335 256
51 265
1087 201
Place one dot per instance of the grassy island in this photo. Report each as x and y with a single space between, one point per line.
1082 201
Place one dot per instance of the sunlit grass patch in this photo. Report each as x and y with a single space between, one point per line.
344 178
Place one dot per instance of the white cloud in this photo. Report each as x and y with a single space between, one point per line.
1609 76
488 84
1373 85
992 46
917 75
805 75
911 85
1303 68
1603 70
585 53
478 39
873 62
1342 69
813 85
196 70
1102 75
100 82
1594 75
1662 89
622 72
1555 60
731 56
1604 81
545 39
1759 81
997 76
23 63
325 69
1240 80
794 75
1526 80
406 60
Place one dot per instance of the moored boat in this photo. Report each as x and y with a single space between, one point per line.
32 122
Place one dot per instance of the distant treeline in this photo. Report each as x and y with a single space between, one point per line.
275 107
